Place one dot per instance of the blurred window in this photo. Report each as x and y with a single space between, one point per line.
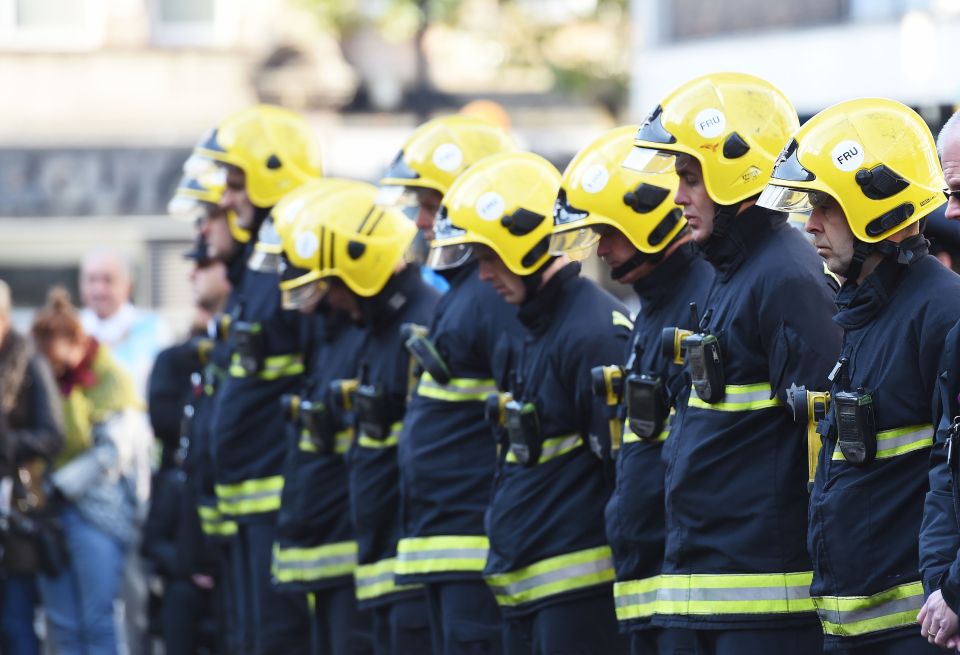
691 19
184 22
51 25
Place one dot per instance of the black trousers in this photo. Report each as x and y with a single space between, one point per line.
585 626
464 618
339 628
662 641
402 628
783 641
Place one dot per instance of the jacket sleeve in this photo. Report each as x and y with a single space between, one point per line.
45 437
798 333
939 531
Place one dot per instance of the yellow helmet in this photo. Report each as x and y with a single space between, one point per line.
504 202
201 187
734 124
339 232
874 156
598 190
275 147
441 149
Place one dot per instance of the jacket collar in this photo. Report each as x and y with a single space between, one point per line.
656 287
536 312
858 304
383 308
734 243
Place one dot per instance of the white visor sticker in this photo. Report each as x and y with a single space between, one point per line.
447 157
709 123
490 206
306 245
595 179
847 156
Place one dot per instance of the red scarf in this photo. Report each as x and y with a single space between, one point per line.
83 373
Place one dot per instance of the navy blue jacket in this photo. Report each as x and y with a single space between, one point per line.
447 450
545 522
635 513
247 424
315 547
372 464
865 520
736 477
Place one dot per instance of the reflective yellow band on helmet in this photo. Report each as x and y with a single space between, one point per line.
441 553
392 439
376 580
456 390
278 366
552 448
621 319
214 524
556 575
630 437
696 594
739 398
250 496
899 441
341 444
848 616
307 564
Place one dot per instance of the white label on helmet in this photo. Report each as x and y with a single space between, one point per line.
447 157
595 179
490 206
306 245
710 122
847 156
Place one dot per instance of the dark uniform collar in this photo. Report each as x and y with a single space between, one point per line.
536 312
733 243
658 285
237 264
384 307
460 274
858 304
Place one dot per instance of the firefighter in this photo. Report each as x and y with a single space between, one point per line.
315 552
265 152
735 568
354 255
867 172
446 455
549 565
197 200
642 236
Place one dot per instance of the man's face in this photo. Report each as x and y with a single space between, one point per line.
698 207
340 298
104 285
429 201
235 197
950 160
505 282
832 236
210 285
216 232
615 249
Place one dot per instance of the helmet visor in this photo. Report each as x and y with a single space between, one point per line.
576 243
266 253
305 295
565 213
399 197
187 209
651 160
786 199
444 257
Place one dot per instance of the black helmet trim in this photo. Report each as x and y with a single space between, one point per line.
652 129
788 167
665 226
535 253
880 182
890 219
399 169
211 143
644 198
564 212
522 222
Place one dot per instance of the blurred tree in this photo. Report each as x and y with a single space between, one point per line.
584 44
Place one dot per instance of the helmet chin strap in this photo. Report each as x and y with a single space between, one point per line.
861 250
722 215
637 260
903 252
